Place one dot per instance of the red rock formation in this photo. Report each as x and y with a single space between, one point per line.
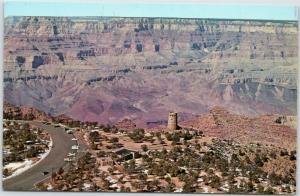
260 129
126 124
23 113
105 69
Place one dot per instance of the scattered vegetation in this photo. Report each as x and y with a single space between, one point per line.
22 141
193 163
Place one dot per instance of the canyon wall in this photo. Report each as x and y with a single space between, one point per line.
105 69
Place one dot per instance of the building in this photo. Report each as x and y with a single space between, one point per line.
126 154
172 121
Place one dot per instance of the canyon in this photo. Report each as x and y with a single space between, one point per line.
106 69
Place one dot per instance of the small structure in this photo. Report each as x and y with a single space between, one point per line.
172 121
126 154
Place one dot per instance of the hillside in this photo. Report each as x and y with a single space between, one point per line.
265 129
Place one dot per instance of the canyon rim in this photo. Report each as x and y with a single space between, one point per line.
149 104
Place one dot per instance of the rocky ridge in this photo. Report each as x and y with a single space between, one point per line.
264 129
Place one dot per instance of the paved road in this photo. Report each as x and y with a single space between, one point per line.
61 147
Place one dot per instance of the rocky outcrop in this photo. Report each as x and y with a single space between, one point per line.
23 113
224 124
145 66
126 124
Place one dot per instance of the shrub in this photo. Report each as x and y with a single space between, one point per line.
137 135
284 152
144 147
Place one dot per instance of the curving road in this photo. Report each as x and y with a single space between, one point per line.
61 147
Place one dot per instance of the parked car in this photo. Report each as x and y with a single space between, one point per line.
75 147
67 159
69 132
71 155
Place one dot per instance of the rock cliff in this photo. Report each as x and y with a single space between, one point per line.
106 69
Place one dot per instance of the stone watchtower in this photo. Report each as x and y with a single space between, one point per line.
172 121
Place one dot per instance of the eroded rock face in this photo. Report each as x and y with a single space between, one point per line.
108 69
224 124
126 125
